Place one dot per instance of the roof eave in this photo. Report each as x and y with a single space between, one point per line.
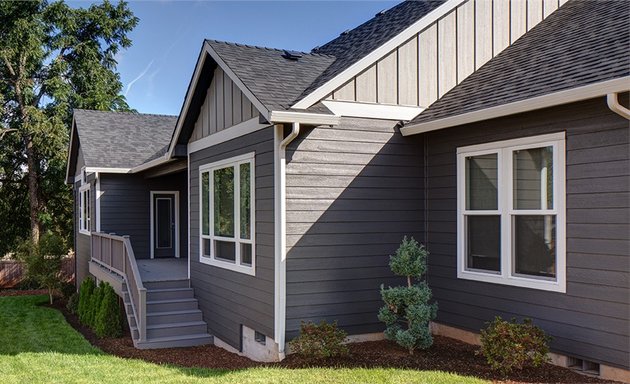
549 100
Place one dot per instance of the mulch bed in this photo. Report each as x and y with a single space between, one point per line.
22 292
446 355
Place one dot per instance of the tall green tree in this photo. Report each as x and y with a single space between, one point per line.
53 58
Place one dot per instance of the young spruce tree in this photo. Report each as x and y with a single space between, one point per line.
407 311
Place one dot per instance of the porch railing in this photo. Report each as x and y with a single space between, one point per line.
115 253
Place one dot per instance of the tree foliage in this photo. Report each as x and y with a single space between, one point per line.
43 261
407 311
53 58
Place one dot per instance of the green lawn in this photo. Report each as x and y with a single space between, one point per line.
38 346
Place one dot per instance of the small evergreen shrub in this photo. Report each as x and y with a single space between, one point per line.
86 292
509 345
95 305
407 311
320 341
108 319
73 303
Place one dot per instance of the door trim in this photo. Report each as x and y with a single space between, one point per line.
177 213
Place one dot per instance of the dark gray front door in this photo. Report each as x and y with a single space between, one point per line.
164 225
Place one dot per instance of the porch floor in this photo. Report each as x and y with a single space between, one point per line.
163 269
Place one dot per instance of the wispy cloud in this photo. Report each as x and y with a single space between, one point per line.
140 76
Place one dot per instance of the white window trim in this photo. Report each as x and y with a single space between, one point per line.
82 229
212 260
505 210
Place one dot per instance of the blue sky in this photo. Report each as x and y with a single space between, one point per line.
156 70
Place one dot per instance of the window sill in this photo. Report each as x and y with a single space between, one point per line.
84 232
227 265
543 285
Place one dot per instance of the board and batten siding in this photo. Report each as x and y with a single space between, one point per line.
225 105
590 320
126 208
353 192
442 55
230 299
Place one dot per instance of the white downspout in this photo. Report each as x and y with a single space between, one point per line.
280 269
613 103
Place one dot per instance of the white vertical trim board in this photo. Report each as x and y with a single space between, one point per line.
504 151
152 217
99 194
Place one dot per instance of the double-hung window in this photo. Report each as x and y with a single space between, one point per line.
226 190
511 212
84 209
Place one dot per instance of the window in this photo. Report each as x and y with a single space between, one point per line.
227 214
84 209
511 214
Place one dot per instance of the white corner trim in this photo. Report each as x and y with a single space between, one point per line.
99 193
280 271
107 170
550 100
152 220
378 53
233 132
303 118
372 111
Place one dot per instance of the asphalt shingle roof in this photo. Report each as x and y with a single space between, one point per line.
122 139
273 79
278 83
582 43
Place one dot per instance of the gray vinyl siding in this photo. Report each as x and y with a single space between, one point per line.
591 319
353 192
126 208
230 299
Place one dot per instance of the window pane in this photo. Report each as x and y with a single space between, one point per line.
225 250
205 203
224 202
481 182
535 245
245 201
533 178
246 254
483 248
206 247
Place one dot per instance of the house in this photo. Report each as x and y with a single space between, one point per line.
494 132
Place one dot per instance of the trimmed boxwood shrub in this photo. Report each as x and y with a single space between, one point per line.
108 320
85 299
508 345
320 341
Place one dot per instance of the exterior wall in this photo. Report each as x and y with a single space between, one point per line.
230 299
126 208
353 192
224 106
446 52
590 320
82 243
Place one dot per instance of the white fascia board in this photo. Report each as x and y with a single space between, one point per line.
70 150
151 164
207 50
377 54
107 170
372 111
303 118
238 130
550 100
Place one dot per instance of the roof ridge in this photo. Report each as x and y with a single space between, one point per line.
266 48
124 112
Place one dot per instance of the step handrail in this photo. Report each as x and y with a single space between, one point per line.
121 260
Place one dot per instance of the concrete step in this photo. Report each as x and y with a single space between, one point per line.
169 294
171 305
149 285
156 318
173 330
177 341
